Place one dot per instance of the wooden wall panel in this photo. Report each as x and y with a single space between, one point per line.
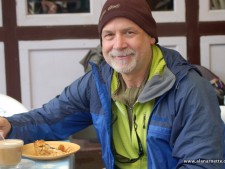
11 34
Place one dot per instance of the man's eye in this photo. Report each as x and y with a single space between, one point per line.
108 36
130 32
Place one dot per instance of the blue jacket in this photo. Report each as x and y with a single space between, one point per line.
185 123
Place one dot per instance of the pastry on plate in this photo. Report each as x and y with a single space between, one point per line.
43 149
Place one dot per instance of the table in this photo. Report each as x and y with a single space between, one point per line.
64 163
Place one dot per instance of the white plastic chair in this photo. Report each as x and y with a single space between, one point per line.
10 106
222 108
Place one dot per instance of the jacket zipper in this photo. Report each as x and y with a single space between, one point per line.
130 116
144 120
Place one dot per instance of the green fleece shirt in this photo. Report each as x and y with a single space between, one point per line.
124 136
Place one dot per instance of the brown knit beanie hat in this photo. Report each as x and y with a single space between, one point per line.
136 10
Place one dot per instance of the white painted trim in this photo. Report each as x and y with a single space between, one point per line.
177 43
23 19
205 14
178 15
2 69
206 42
0 13
25 47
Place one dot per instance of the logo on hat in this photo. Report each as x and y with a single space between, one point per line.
113 6
109 9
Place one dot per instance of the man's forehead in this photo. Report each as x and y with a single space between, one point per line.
120 22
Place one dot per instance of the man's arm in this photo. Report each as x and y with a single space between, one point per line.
199 136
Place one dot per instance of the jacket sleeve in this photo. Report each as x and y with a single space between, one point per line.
59 118
197 138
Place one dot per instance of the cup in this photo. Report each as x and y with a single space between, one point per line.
10 153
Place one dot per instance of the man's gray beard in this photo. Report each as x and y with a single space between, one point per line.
126 69
125 52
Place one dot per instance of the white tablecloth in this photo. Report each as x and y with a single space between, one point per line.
64 163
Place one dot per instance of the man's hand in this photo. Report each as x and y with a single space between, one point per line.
5 126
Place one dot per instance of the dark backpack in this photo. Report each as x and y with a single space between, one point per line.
219 86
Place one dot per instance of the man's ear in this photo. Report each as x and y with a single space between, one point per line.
152 40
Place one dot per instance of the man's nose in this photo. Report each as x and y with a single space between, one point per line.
120 42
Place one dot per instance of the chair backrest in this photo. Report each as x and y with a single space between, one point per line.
217 83
10 106
222 108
